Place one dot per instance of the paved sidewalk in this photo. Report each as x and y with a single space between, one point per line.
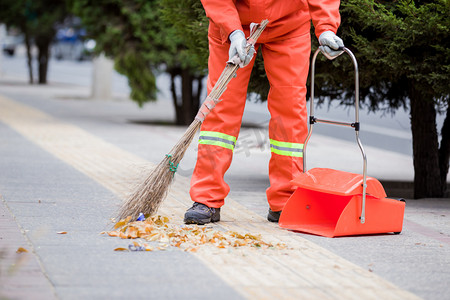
21 274
66 166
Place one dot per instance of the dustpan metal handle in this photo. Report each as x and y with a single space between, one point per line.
313 120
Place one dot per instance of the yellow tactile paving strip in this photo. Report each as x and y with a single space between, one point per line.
305 271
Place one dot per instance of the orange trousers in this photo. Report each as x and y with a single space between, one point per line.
287 63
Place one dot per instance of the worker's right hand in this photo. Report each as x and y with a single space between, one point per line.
330 44
237 47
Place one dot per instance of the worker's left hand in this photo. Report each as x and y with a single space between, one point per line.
330 44
237 49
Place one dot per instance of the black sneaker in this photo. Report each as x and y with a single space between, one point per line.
273 216
201 214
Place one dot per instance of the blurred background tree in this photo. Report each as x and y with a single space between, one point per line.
37 20
403 49
142 44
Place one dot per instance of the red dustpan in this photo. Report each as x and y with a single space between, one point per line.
328 202
333 203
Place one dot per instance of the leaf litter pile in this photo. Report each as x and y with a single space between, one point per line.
188 238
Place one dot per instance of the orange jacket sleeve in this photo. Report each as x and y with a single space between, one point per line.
325 15
223 14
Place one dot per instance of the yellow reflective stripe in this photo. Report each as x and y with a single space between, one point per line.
218 135
286 153
286 144
216 143
217 139
286 148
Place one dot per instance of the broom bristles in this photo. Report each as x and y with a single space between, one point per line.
150 193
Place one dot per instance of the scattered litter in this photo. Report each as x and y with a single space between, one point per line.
141 217
139 247
188 238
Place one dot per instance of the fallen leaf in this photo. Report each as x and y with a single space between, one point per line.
148 228
154 237
62 232
253 237
21 250
131 233
121 249
122 222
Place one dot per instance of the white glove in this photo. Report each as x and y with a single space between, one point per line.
330 44
237 47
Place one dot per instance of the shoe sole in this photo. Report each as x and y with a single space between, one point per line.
199 221
271 219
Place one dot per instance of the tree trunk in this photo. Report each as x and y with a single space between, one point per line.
187 107
186 96
29 56
43 45
173 90
444 151
427 179
197 94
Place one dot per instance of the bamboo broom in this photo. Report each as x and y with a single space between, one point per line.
151 192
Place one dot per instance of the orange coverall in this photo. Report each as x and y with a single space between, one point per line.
285 46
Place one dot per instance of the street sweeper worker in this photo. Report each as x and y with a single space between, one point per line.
286 46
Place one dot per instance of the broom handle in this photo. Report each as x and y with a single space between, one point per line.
255 33
229 73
